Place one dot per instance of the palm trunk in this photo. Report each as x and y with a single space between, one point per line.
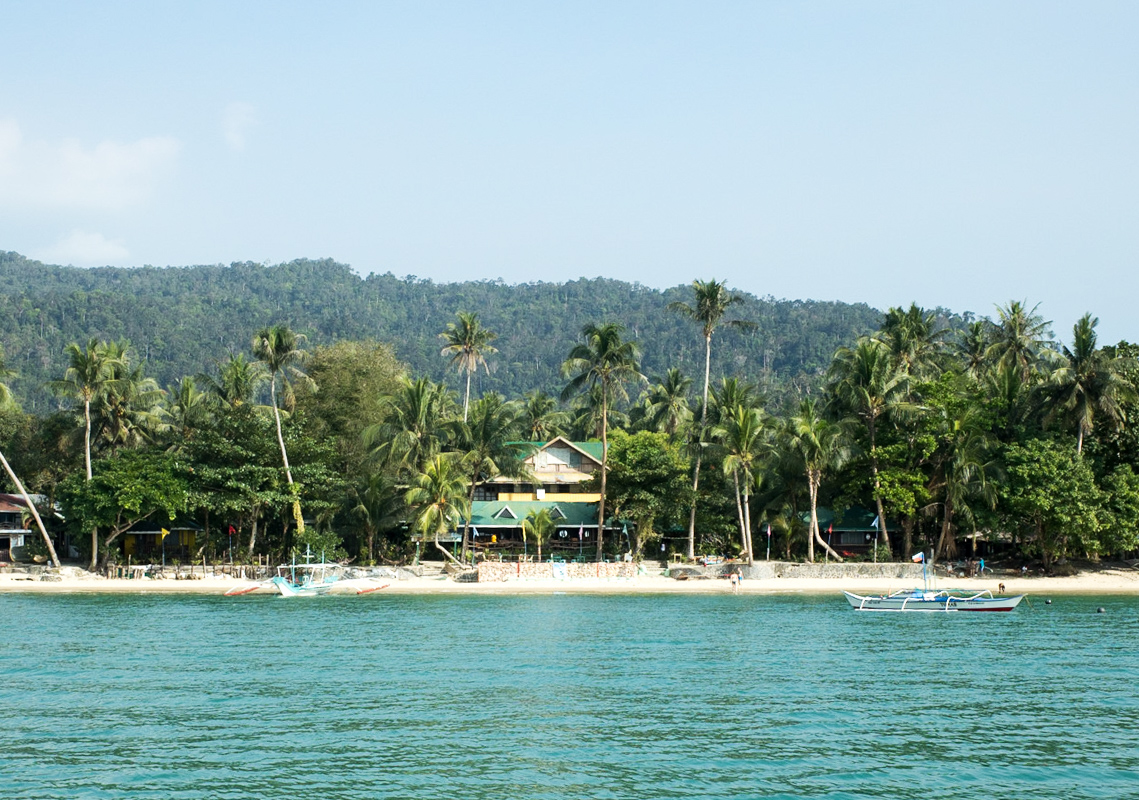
253 532
31 507
90 475
877 487
285 458
447 555
1080 441
467 396
747 527
740 512
812 529
700 441
604 466
946 524
467 524
815 481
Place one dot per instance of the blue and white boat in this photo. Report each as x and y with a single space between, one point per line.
923 600
932 600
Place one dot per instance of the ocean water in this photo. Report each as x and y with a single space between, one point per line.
563 696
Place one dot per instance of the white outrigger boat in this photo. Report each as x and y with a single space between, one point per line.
932 600
310 579
921 600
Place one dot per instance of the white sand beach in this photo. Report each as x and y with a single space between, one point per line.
1104 579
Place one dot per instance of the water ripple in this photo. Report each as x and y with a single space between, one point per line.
564 696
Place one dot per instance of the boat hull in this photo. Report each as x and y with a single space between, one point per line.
930 601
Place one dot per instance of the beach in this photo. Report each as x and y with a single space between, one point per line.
1111 579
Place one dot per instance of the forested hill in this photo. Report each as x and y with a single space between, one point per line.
182 318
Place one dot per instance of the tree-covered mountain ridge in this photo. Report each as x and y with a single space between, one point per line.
181 319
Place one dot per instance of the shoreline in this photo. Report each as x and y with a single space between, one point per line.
1109 581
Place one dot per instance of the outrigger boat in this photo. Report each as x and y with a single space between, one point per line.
310 579
932 600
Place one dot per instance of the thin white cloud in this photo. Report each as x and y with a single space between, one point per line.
238 120
107 177
84 249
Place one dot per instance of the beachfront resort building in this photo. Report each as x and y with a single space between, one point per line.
559 470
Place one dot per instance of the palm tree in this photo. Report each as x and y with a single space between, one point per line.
605 362
485 442
973 346
468 344
964 465
6 399
818 445
868 381
914 339
89 371
415 428
1088 382
541 419
1021 338
128 410
587 409
538 525
740 435
277 347
712 301
378 505
438 497
238 380
187 409
668 409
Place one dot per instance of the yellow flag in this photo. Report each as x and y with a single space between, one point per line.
165 533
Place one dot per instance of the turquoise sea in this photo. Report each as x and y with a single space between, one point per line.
563 696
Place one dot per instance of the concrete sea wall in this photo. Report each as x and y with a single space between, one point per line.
494 571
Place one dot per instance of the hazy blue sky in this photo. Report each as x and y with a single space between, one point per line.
958 153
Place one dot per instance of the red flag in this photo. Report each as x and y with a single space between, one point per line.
231 530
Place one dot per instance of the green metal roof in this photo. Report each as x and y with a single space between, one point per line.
854 518
591 449
510 513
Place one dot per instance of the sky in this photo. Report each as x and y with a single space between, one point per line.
955 154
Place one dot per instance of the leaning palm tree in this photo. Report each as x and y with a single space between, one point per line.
438 497
539 526
605 362
277 347
6 399
468 344
89 372
818 445
1088 383
712 301
869 382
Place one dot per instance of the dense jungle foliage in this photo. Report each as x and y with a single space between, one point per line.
179 320
302 406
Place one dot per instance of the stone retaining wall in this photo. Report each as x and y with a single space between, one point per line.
496 572
783 569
